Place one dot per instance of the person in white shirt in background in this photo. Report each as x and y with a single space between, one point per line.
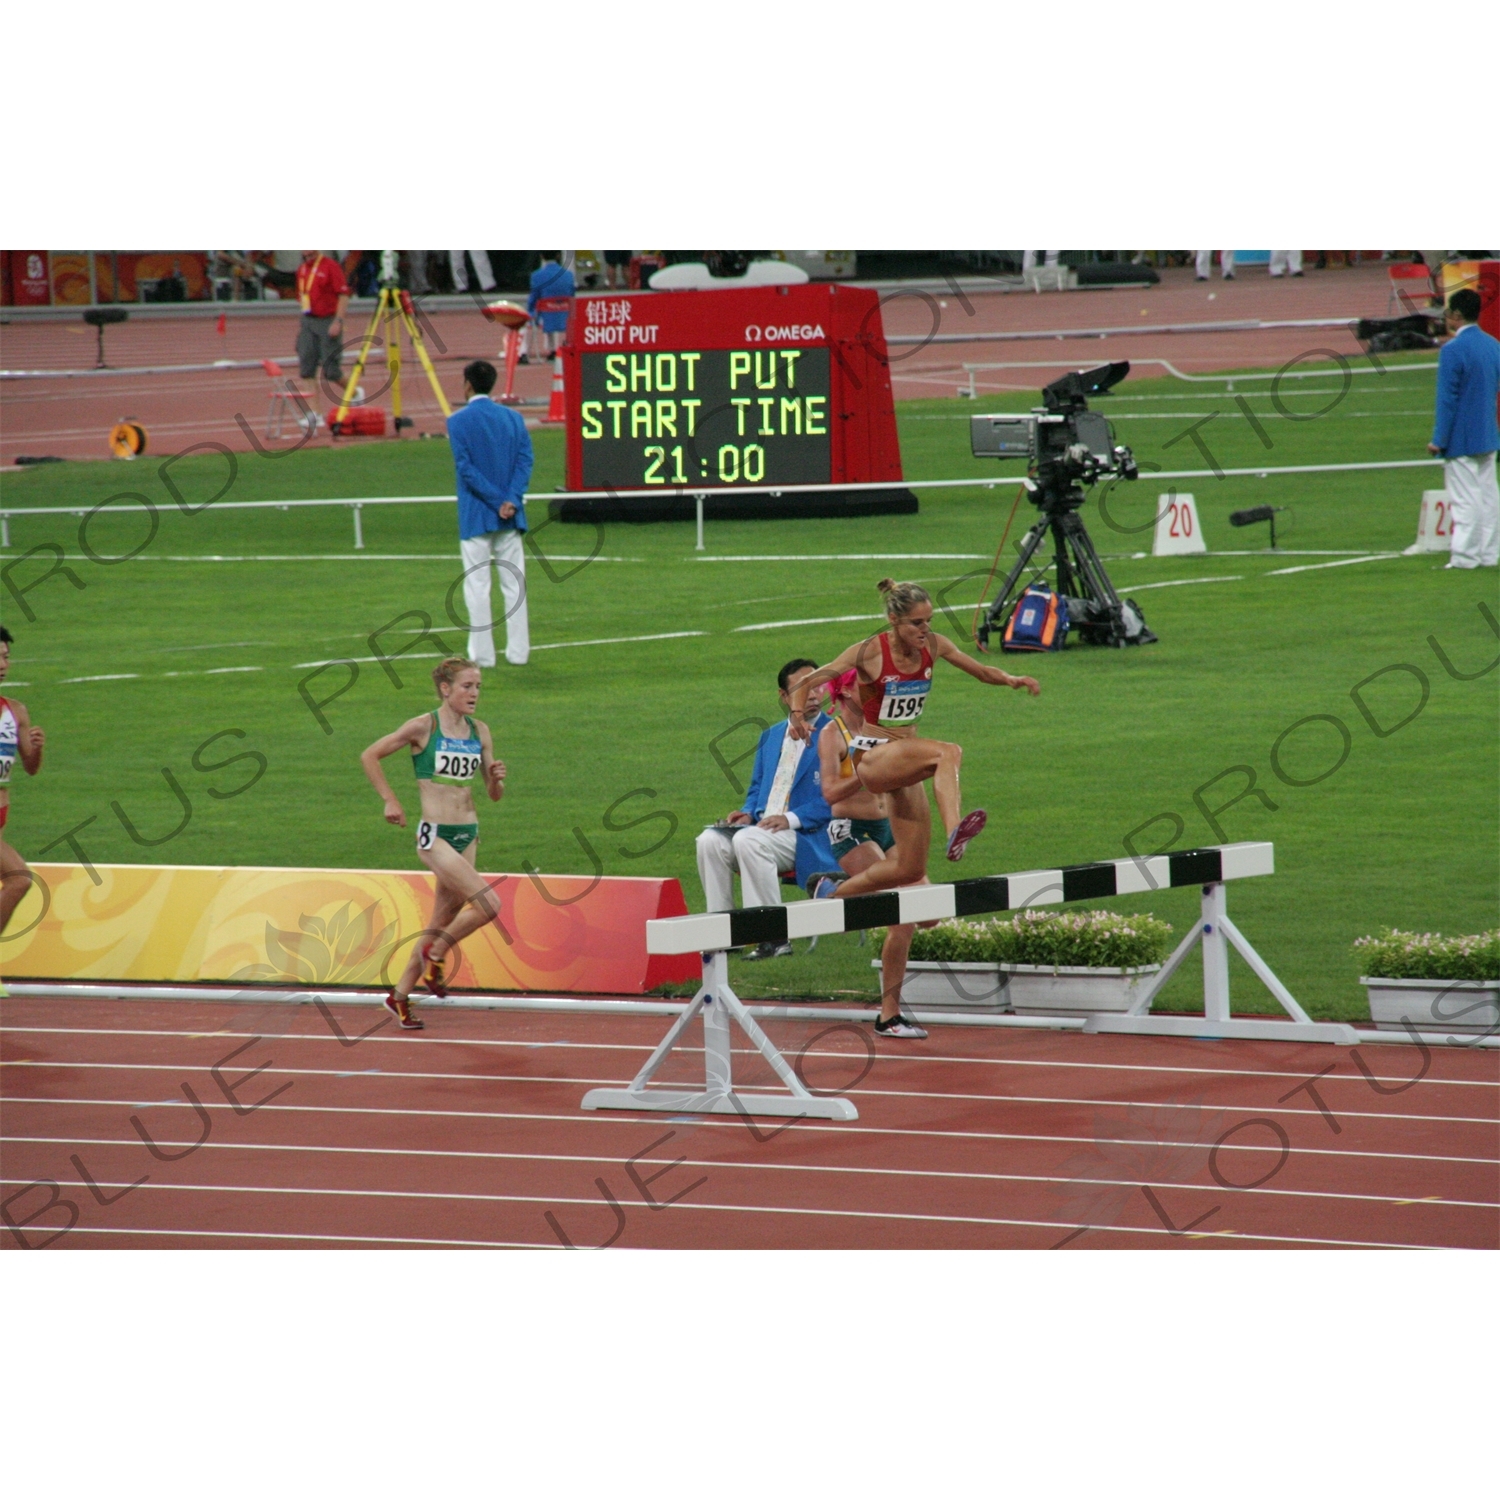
782 824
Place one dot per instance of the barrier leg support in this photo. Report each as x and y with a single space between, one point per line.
720 1006
1216 932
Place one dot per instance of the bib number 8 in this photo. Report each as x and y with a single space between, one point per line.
426 834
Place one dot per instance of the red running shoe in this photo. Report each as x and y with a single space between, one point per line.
401 1009
434 976
971 827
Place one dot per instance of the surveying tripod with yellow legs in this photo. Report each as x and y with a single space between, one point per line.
392 312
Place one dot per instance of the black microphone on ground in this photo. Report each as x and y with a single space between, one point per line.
1257 513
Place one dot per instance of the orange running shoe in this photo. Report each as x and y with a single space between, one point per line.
434 976
401 1009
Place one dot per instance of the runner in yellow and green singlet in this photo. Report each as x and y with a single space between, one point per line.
449 748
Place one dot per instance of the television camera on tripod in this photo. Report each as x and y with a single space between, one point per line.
1068 448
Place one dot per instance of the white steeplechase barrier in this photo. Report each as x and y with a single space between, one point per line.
714 933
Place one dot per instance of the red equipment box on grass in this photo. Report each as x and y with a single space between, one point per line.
706 392
358 421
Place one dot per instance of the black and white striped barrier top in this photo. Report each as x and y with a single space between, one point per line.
717 930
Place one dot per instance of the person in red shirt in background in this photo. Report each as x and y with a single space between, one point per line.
324 294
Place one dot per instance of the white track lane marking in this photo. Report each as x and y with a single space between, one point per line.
783 624
320 1239
755 1166
747 1208
1172 583
888 1057
1344 563
589 1117
400 1074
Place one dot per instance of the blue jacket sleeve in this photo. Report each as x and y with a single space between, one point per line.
760 776
807 799
520 474
1449 383
469 473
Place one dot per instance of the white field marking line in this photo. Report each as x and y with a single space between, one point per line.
620 640
888 1057
318 1239
335 661
1344 563
397 1075
783 624
211 646
212 672
848 557
730 1208
587 1117
107 677
756 1166
1172 583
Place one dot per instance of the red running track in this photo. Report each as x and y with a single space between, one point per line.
470 1134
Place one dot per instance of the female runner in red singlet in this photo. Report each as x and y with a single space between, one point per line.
894 677
19 740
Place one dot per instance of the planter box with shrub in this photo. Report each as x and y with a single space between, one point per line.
1035 963
1432 982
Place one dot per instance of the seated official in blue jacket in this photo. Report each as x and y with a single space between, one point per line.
492 466
1465 433
783 824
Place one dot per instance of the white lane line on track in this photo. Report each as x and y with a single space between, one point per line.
1172 583
743 1208
1089 1102
320 1239
587 1117
783 624
848 557
1343 563
620 640
428 1043
750 1166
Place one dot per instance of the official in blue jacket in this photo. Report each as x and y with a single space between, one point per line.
1466 433
492 466
550 283
783 823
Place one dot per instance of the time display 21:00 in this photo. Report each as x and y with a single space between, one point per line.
710 417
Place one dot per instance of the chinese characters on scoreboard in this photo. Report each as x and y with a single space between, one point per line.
711 416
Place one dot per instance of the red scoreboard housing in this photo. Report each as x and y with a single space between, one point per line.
672 395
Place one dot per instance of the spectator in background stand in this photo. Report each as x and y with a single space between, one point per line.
481 259
550 280
1205 264
1466 435
324 294
492 461
617 262
1286 262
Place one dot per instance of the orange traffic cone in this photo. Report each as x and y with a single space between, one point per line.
555 409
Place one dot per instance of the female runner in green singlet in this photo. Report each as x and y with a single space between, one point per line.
20 740
894 677
448 748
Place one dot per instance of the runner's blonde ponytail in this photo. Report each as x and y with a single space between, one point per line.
902 598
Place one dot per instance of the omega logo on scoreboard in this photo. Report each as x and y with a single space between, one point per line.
705 416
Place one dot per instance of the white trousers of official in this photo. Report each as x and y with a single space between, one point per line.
759 854
1286 263
1474 504
1205 263
503 550
1028 260
481 259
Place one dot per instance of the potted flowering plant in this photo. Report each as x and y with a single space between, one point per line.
1044 963
1435 983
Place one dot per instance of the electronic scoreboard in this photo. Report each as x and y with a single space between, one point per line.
680 394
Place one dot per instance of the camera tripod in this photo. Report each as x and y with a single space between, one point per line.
394 311
1081 578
